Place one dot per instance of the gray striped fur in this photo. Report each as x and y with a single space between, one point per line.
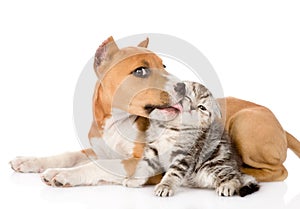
194 150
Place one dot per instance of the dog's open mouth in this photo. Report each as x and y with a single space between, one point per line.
174 109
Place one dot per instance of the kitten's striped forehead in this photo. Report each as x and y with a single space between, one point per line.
199 95
199 92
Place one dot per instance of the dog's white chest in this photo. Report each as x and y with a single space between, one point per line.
119 135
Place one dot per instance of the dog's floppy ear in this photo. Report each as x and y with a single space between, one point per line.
144 43
98 112
104 53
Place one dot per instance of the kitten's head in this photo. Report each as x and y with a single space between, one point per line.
199 107
199 104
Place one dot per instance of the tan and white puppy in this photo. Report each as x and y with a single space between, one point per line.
132 82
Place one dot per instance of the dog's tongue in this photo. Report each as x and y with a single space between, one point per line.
173 108
178 107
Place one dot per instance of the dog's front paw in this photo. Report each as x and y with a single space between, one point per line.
163 190
58 177
134 182
26 165
227 189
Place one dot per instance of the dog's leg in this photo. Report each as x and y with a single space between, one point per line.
92 173
278 173
261 142
39 164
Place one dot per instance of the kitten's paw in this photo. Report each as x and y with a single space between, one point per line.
60 178
132 182
163 190
26 165
227 189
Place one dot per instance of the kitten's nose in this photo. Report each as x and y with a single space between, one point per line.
180 88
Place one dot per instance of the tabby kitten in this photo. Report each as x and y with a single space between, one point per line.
193 149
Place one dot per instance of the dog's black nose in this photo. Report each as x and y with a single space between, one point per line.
180 88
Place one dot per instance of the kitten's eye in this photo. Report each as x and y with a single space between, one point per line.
201 107
164 66
141 72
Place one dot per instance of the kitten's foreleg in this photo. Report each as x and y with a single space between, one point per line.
227 180
172 179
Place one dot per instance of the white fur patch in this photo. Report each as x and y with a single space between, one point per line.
228 188
37 165
88 174
120 133
163 190
203 179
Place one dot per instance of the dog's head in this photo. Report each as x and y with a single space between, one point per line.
132 79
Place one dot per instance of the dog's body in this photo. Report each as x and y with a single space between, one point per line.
260 139
132 82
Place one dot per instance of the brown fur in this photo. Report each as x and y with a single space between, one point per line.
259 137
130 165
142 125
89 152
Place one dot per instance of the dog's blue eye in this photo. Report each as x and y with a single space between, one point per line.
141 72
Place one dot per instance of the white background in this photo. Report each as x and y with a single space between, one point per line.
254 47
